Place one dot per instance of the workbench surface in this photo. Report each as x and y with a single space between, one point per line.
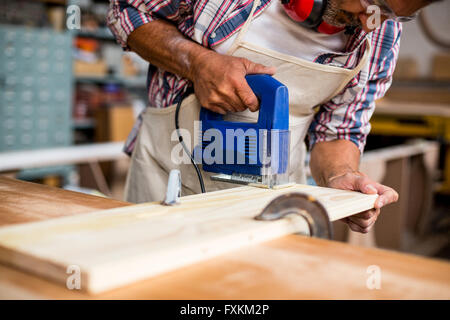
292 267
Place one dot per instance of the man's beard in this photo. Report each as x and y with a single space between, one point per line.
337 17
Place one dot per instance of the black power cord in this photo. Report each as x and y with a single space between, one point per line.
180 138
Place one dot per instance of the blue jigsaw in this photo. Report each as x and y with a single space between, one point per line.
249 153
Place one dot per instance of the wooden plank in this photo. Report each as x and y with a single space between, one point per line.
119 246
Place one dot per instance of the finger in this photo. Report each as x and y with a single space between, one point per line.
386 196
244 91
256 68
354 227
247 96
365 185
364 223
351 225
235 101
212 103
367 214
227 106
244 104
220 102
217 109
229 97
345 220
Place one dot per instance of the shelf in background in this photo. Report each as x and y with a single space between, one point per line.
101 34
421 83
136 82
58 2
81 124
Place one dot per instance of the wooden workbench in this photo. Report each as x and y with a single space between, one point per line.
293 267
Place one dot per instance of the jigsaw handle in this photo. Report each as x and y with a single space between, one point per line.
274 104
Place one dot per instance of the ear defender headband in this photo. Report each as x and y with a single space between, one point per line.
309 14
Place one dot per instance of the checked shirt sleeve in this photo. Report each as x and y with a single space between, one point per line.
124 16
347 116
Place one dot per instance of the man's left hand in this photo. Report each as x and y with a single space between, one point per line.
358 181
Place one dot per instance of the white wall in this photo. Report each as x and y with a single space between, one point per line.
414 42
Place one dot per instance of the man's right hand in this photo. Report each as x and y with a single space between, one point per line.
219 82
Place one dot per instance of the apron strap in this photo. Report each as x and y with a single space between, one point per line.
365 57
362 63
234 46
244 28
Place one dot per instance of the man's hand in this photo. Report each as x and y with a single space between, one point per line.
334 164
219 80
220 85
358 181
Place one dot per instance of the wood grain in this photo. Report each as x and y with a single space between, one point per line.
124 245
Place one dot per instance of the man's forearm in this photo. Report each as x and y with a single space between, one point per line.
219 80
333 158
164 46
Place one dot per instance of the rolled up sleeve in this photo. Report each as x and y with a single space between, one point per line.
347 116
124 16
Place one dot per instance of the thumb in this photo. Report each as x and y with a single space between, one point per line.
256 68
365 185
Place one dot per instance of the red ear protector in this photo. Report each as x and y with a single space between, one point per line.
309 14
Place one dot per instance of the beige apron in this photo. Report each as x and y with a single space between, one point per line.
310 84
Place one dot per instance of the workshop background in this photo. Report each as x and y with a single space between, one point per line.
69 98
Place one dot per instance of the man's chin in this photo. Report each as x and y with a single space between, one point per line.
343 24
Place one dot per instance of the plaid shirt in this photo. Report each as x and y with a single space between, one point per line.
210 22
